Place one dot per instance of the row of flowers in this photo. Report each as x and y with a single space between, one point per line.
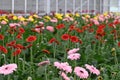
60 40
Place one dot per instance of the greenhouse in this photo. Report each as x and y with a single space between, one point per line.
59 39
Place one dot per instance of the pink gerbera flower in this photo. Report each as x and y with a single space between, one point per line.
8 69
74 56
64 76
92 69
72 51
63 66
81 72
43 63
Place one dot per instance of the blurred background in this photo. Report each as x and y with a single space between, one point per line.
42 7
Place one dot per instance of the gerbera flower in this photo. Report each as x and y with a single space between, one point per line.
74 56
50 28
92 69
81 72
72 51
12 43
63 66
74 39
1 37
3 49
118 44
8 69
65 37
64 76
52 40
46 51
19 36
43 63
31 39
19 46
21 30
17 52
60 26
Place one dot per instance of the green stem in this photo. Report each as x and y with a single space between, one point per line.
11 56
54 48
46 72
23 63
31 59
8 78
75 78
4 58
115 58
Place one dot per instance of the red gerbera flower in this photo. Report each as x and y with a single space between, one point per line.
3 49
19 46
74 39
72 27
60 26
101 26
19 36
65 36
31 39
118 44
12 43
79 30
17 52
46 51
21 30
80 41
1 37
30 45
52 40
100 32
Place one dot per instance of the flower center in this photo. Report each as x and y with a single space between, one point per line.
6 68
81 71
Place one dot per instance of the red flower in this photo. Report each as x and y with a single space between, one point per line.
118 44
3 49
116 22
60 26
28 46
19 36
84 28
52 40
19 46
80 41
21 30
17 52
72 27
97 37
12 43
74 39
111 25
1 37
100 32
46 51
79 30
101 26
91 30
31 39
65 36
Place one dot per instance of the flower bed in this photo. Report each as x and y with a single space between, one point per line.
60 47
